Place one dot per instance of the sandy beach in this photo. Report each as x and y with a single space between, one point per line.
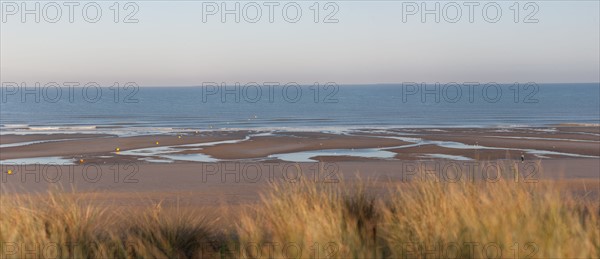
211 167
223 179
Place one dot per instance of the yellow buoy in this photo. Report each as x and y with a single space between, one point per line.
156 142
118 149
81 161
178 136
9 172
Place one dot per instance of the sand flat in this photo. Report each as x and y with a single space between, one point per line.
244 168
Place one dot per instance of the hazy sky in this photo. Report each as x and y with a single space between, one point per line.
171 45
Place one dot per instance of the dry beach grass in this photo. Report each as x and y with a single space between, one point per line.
420 219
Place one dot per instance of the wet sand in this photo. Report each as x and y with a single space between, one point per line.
84 146
244 167
9 139
578 141
260 147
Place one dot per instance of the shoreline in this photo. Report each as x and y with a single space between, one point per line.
408 144
26 129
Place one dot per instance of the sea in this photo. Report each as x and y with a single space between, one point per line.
130 109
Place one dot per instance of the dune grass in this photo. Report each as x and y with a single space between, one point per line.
419 219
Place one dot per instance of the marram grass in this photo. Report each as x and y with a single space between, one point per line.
419 219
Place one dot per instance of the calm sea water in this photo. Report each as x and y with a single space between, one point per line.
354 106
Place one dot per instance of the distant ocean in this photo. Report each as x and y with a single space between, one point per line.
164 109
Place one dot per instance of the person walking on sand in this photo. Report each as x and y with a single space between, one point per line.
522 158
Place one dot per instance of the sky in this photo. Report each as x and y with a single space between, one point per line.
186 43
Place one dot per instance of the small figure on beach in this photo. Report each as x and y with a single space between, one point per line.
522 158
